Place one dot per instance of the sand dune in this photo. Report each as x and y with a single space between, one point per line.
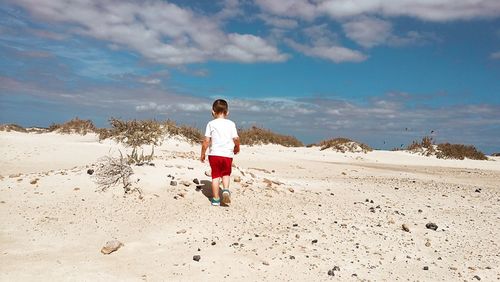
298 214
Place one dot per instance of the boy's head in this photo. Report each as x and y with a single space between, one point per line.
220 107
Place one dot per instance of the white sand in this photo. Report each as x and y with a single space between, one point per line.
52 231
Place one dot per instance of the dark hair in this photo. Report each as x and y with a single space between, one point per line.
220 107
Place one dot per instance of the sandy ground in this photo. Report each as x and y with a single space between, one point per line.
296 214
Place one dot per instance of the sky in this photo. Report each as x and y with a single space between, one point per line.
381 72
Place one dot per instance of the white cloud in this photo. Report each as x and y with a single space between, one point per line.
337 54
290 8
495 55
278 22
368 32
160 31
442 10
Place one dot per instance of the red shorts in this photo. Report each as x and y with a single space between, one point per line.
221 166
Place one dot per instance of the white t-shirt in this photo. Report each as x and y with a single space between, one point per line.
222 131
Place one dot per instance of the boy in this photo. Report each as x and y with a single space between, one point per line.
224 143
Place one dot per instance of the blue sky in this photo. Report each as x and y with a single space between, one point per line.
383 72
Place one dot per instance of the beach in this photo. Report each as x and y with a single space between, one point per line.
297 214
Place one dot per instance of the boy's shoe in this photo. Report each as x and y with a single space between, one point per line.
226 197
215 202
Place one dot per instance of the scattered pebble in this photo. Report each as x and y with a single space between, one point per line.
405 227
90 171
432 226
111 246
173 183
196 257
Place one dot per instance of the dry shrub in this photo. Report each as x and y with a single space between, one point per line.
425 147
257 136
75 125
459 151
12 127
135 134
192 134
111 171
343 145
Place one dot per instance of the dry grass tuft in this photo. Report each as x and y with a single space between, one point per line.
424 147
427 147
459 151
257 136
192 134
343 145
76 125
12 127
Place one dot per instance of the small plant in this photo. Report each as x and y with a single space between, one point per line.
459 151
256 136
75 125
343 145
111 171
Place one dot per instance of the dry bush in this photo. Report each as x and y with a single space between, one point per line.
12 127
75 125
134 134
459 151
256 136
192 134
112 171
343 145
425 147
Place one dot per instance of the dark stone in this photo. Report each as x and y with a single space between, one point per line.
314 241
90 171
476 277
292 257
478 190
213 243
173 183
196 257
426 268
196 181
371 201
331 272
432 226
295 225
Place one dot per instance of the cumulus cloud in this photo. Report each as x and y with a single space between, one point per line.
278 22
337 54
325 45
160 31
368 32
444 10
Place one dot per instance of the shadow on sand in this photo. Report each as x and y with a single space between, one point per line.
206 189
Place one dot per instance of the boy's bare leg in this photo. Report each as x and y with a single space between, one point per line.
215 188
225 181
225 194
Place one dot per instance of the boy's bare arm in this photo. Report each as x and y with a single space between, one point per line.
236 145
204 147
